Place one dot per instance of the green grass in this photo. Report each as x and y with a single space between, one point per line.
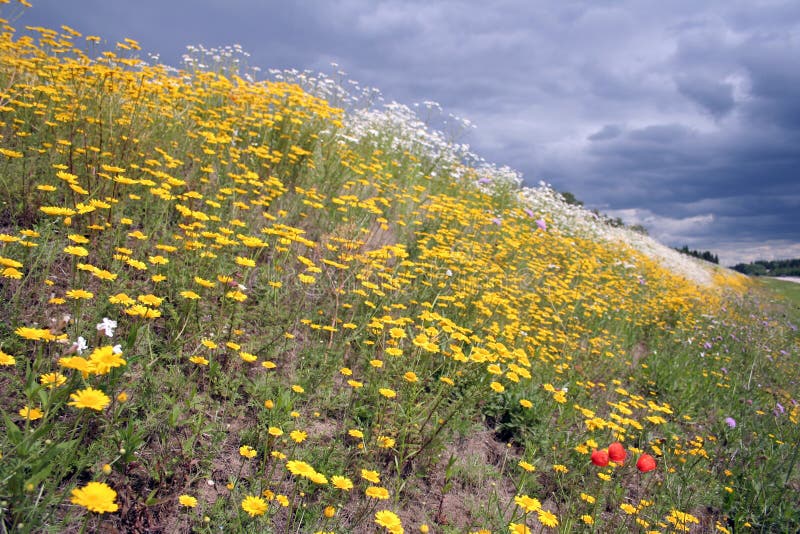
784 288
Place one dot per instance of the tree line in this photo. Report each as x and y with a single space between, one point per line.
704 255
770 267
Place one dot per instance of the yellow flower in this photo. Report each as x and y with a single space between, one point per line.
199 360
188 501
410 376
6 359
318 478
397 333
342 483
103 359
244 262
275 431
681 519
150 300
303 469
385 442
377 492
31 414
79 294
298 436
518 528
247 357
306 278
34 334
389 520
91 398
52 380
525 403
236 295
95 497
529 504
371 476
329 511
203 282
190 295
388 393
589 520
254 505
530 468
76 251
497 387
547 518
298 389
11 272
121 298
247 451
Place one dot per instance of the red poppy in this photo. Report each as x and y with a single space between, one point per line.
617 452
645 463
600 458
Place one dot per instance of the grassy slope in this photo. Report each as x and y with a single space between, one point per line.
334 288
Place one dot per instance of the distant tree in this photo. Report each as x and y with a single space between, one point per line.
640 229
770 267
704 255
569 198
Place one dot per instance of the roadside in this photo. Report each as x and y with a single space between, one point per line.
786 286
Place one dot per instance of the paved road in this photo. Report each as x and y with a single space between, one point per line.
795 279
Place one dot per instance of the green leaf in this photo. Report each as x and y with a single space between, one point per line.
12 430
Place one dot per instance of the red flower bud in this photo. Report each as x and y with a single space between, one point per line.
600 458
617 452
646 463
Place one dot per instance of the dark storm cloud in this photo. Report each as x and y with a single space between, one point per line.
712 95
609 131
683 115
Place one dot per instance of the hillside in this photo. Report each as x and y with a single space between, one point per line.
269 306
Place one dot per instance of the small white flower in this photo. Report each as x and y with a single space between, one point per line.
80 345
107 326
117 349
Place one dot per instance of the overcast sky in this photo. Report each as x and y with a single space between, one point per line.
683 116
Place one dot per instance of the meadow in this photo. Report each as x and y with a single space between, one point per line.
232 305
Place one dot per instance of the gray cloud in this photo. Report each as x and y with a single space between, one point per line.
682 116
